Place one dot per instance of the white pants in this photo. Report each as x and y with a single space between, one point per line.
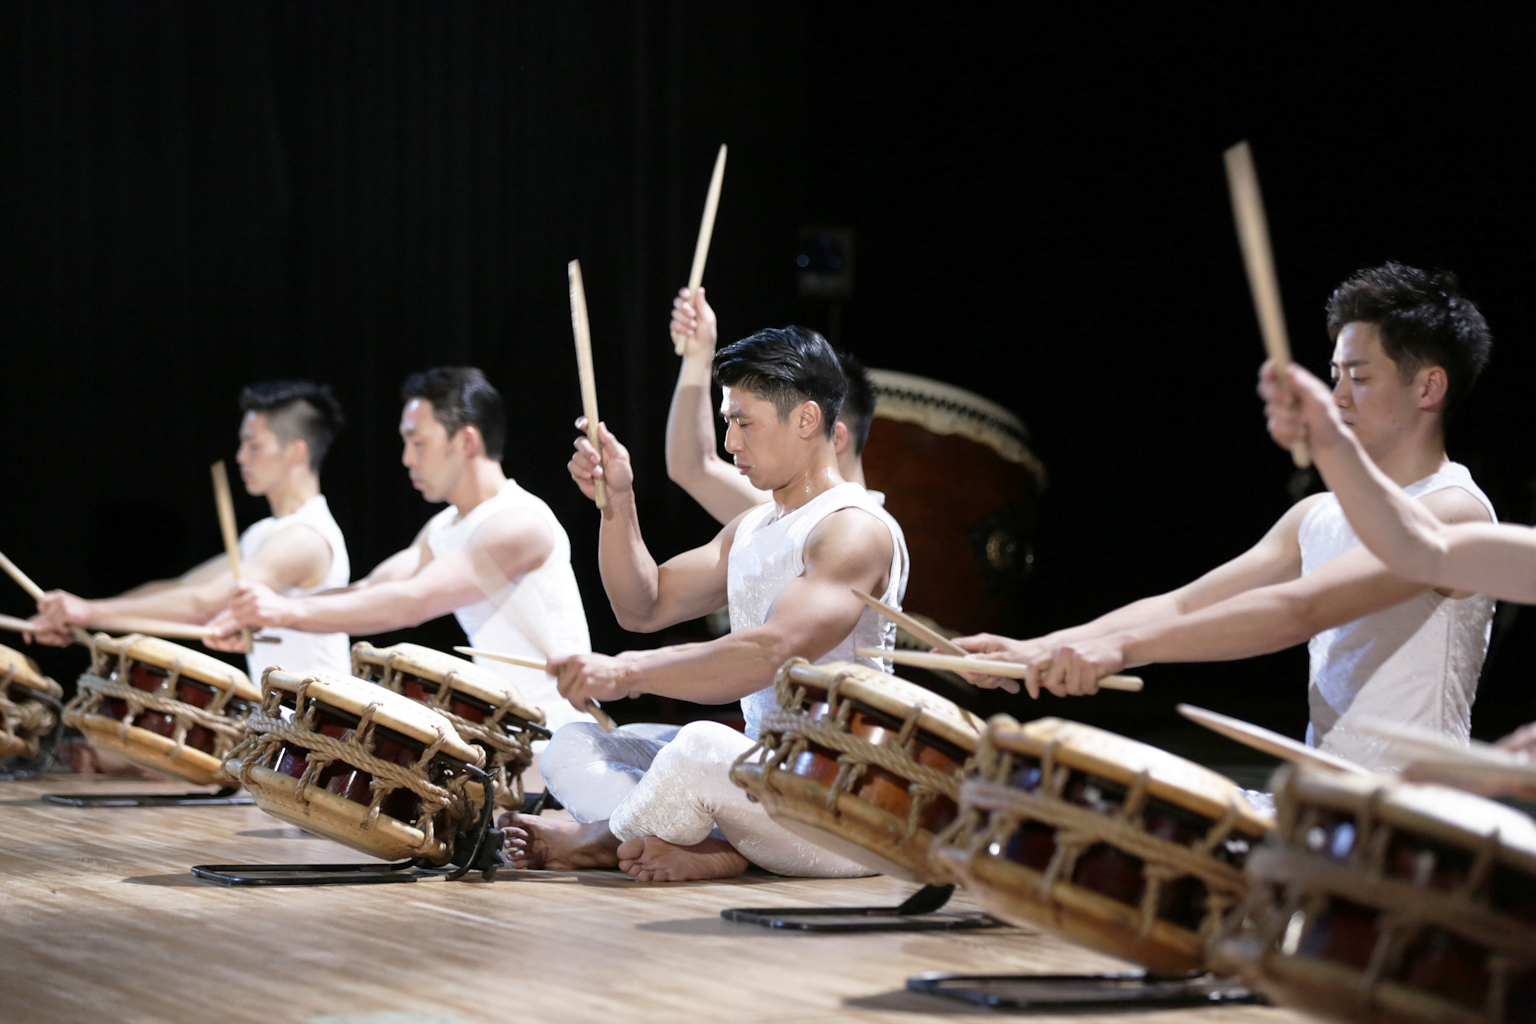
678 792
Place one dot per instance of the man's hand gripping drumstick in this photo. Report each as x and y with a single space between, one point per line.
592 707
1259 260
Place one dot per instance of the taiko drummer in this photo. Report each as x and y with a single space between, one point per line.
298 550
786 570
1407 348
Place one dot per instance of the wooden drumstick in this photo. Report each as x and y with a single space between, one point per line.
16 625
511 659
34 591
583 331
1433 746
1270 742
706 232
922 632
226 506
983 667
1258 258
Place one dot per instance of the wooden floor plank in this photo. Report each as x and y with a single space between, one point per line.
100 920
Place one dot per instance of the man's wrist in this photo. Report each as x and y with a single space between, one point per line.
632 673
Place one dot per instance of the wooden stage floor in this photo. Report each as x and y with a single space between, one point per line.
101 921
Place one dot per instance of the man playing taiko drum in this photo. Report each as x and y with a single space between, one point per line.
287 429
1496 559
496 557
786 570
1407 348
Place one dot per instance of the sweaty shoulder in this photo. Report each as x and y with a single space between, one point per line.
851 535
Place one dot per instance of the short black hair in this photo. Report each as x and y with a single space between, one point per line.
859 407
298 409
785 366
1424 320
460 397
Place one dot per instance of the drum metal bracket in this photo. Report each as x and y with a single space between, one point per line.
476 850
1115 990
918 913
226 796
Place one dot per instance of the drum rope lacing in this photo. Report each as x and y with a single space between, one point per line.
17 718
1291 879
267 732
94 688
512 751
796 731
1005 807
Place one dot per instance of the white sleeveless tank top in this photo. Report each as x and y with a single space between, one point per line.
768 552
538 615
1416 663
302 652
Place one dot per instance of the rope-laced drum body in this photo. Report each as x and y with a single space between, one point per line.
354 762
486 709
959 477
1389 903
162 706
28 706
862 763
1118 845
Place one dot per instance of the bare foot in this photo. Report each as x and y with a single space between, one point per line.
554 844
655 860
87 760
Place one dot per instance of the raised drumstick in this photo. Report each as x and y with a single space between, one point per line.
1270 742
227 527
583 332
1258 258
922 632
34 591
706 232
984 667
511 659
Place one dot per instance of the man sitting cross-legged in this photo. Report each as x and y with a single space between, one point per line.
786 569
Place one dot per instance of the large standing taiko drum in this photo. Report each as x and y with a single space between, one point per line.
1383 902
1123 847
859 762
958 476
162 706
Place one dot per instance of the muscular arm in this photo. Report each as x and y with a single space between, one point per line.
1274 559
849 550
504 547
1415 544
1257 621
693 460
645 596
295 556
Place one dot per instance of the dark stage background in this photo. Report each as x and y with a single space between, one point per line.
199 195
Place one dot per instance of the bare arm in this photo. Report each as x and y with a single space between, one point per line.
295 556
504 547
849 550
1258 621
1489 558
645 596
693 459
1274 559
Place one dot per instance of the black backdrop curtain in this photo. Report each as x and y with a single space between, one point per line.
199 195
